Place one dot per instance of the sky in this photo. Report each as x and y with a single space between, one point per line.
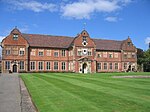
104 19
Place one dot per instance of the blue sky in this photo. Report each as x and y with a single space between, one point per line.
105 19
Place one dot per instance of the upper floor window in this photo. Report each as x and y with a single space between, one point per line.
105 54
63 53
110 55
79 52
56 54
41 53
89 52
7 52
99 55
116 55
21 51
48 52
33 52
129 43
133 55
15 37
84 38
15 50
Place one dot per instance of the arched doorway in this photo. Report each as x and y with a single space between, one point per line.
14 68
84 68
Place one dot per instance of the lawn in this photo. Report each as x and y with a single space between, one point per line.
68 92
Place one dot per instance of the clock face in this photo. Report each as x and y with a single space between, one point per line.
84 51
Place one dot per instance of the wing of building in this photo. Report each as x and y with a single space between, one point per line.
81 54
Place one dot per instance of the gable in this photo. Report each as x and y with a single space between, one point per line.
15 38
84 40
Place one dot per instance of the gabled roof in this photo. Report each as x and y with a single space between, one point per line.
108 44
36 40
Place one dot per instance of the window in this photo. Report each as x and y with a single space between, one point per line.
63 53
105 66
129 55
110 55
99 55
133 55
32 65
48 53
55 54
63 66
55 65
129 43
89 52
99 66
125 56
40 65
110 66
84 38
48 65
15 37
7 52
79 52
105 54
116 55
33 52
15 51
116 66
21 65
7 65
125 65
41 53
21 51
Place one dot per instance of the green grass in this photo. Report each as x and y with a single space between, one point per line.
68 92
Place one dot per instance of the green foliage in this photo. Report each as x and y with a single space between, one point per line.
70 92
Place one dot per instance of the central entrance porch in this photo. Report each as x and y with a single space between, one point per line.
84 65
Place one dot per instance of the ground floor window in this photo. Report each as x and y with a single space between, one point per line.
55 65
32 65
110 66
63 66
99 66
125 65
21 65
40 65
105 66
48 65
7 65
116 66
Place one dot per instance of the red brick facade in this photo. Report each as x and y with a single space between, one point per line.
82 54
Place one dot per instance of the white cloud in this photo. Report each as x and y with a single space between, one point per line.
147 40
32 5
1 38
83 9
111 19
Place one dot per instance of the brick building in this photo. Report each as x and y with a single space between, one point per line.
82 54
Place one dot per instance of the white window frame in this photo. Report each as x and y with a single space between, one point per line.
40 65
48 65
57 65
33 66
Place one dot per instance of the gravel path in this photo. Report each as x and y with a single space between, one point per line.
14 96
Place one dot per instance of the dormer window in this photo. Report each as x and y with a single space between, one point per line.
84 39
129 43
15 37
